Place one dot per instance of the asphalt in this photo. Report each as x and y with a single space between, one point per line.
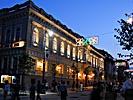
47 96
73 95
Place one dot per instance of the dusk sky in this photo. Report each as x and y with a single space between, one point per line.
87 18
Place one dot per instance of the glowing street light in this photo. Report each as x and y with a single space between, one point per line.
130 19
50 33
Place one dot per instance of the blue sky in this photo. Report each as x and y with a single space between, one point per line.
87 18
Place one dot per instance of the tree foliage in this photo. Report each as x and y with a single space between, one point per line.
87 69
125 34
26 63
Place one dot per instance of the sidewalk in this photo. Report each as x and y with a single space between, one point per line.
48 95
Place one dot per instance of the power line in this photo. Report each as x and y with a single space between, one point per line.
100 34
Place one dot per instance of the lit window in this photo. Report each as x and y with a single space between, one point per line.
74 53
81 54
35 37
47 41
62 48
59 69
54 45
68 51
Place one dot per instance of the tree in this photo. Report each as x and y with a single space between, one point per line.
86 71
125 34
25 65
75 71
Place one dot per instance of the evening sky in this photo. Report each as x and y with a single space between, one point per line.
87 18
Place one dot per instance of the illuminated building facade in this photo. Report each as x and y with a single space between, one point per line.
25 28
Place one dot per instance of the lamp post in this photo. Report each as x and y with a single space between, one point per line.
130 18
50 33
73 76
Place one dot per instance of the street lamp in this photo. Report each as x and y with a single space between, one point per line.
45 40
130 18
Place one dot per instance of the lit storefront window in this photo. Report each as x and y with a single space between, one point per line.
11 79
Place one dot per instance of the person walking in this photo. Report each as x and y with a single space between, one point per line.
58 89
81 86
16 89
63 91
6 89
127 89
95 94
38 90
32 91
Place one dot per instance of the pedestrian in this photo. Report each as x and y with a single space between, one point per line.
6 89
95 94
63 91
81 86
127 89
16 89
46 85
115 90
58 89
38 90
32 91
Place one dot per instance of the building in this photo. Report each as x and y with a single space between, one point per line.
120 66
108 65
25 29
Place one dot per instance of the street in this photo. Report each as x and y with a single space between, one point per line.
72 95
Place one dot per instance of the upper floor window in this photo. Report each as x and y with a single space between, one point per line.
62 48
80 54
47 41
8 36
68 51
87 56
35 36
74 53
54 45
17 35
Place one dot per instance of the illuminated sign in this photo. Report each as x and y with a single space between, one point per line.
121 56
120 64
128 70
93 40
18 44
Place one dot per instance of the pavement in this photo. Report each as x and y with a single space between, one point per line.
73 95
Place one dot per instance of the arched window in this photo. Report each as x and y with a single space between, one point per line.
80 54
47 41
74 53
62 48
68 51
54 45
35 37
17 37
8 36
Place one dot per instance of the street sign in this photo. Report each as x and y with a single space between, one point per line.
93 40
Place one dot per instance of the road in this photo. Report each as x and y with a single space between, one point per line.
72 95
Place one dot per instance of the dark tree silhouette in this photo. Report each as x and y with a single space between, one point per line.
26 64
86 72
125 34
76 71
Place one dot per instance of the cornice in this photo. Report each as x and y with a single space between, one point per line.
44 28
52 23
